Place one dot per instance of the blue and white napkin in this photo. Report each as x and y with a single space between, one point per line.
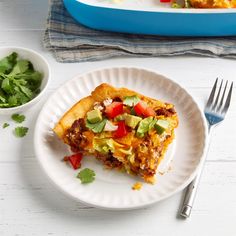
70 41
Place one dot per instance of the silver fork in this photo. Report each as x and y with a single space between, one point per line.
215 111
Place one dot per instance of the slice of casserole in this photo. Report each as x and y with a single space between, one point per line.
121 128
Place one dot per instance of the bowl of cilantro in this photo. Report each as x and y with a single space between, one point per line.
24 78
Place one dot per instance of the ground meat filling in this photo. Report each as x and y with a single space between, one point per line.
74 136
77 141
109 161
117 99
165 112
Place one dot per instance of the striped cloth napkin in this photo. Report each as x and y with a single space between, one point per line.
70 41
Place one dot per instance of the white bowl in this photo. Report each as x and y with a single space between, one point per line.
40 64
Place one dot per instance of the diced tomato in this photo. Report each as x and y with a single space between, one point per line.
121 130
75 160
165 0
149 112
141 109
114 109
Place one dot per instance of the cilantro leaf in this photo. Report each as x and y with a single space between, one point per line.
6 86
12 100
2 99
20 131
86 176
20 67
26 91
132 112
5 125
96 127
7 63
33 79
131 100
18 118
3 105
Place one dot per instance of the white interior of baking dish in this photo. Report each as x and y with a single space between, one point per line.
148 5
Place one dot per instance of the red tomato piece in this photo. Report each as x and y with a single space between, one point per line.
75 160
121 130
140 108
165 0
149 112
114 109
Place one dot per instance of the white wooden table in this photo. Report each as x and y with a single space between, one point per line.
31 205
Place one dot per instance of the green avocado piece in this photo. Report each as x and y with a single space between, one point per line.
132 121
161 126
144 126
94 116
120 117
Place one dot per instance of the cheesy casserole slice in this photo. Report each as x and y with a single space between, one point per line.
122 128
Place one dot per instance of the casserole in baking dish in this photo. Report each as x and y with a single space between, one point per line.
150 17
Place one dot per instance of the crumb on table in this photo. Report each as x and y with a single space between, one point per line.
137 186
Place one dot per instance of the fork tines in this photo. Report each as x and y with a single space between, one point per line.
217 104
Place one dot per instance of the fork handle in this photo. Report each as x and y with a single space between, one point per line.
190 196
191 190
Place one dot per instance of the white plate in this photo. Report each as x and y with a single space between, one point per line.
112 189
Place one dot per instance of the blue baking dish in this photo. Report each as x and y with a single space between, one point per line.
155 21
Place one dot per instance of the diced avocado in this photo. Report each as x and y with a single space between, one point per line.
132 121
94 116
120 117
131 100
161 126
144 126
